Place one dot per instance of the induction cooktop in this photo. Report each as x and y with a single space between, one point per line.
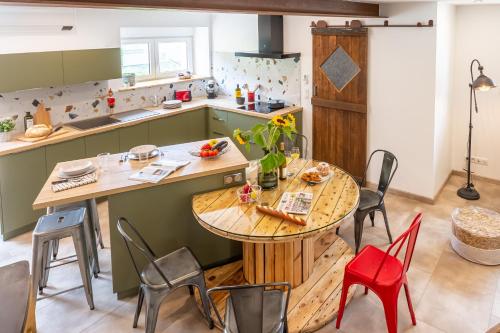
259 107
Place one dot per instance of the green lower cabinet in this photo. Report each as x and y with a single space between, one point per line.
64 151
107 142
181 128
218 124
22 176
133 136
243 122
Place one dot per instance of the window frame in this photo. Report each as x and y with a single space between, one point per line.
154 63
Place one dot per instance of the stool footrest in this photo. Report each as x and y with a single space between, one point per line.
59 293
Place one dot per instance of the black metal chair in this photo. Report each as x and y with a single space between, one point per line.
258 308
298 140
371 201
162 275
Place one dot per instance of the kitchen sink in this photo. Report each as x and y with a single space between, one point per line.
93 122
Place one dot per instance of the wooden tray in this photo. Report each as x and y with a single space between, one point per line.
52 135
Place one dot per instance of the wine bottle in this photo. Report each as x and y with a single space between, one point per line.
282 172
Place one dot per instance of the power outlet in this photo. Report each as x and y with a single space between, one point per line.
478 160
234 178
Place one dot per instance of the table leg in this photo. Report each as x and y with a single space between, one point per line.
275 262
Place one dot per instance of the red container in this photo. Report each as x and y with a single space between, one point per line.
183 95
251 97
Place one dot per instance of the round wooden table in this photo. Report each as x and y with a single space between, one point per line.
311 257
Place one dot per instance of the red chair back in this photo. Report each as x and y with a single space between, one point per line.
411 235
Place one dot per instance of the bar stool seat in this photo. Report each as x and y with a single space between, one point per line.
53 227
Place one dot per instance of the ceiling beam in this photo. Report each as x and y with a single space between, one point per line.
278 7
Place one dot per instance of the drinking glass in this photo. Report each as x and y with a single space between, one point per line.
103 161
295 155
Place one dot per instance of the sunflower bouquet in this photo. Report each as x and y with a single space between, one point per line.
267 136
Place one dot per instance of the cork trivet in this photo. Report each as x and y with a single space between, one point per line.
477 227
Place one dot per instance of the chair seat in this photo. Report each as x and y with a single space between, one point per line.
368 199
365 265
176 266
274 305
59 221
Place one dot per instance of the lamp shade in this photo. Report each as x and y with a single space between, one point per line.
483 83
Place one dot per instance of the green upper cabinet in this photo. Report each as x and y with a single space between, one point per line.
106 142
185 127
64 151
22 71
218 124
132 136
91 65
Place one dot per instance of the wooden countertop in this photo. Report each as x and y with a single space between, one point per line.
227 104
116 178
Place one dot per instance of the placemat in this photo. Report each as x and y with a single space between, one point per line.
74 182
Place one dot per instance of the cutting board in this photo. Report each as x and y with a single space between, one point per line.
41 116
52 135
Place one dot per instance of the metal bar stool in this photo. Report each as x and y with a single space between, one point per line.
92 223
54 227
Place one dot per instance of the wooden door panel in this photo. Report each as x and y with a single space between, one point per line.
339 117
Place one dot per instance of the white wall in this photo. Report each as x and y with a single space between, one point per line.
445 55
94 28
234 32
477 31
401 83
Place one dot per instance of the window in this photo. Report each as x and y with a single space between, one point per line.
157 58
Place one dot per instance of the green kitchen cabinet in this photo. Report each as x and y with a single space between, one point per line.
22 175
244 122
22 71
91 65
185 127
218 124
106 142
64 151
133 136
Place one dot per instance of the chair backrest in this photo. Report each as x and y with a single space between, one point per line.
248 305
410 238
389 167
298 140
135 243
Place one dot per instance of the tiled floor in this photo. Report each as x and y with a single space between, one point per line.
449 293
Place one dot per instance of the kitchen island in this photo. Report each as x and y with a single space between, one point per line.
162 212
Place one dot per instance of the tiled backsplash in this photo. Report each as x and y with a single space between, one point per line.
87 100
278 78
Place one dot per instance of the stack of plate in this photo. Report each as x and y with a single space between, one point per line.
76 169
143 152
172 104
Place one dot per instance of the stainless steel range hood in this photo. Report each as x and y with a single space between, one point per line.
270 39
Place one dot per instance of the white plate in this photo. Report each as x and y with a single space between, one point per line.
143 150
76 168
154 153
323 178
62 175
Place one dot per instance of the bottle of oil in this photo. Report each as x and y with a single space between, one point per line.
282 172
28 121
237 91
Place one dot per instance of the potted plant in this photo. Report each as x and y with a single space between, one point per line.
6 127
267 137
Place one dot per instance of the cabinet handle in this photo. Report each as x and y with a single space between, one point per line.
218 119
218 133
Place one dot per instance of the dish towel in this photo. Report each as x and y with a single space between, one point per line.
74 182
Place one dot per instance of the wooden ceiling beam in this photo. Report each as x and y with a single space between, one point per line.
278 7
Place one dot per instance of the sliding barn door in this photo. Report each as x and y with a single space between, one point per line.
339 98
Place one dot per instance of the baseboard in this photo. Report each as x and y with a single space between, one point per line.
405 194
481 178
442 186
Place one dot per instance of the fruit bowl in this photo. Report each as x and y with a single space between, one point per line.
211 149
249 193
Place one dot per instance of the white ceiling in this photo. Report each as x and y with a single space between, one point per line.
456 2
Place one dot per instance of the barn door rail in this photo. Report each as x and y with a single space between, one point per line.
357 24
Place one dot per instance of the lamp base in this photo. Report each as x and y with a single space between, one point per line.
468 192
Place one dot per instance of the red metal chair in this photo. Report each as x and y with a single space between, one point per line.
384 274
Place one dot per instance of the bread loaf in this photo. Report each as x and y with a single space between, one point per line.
37 131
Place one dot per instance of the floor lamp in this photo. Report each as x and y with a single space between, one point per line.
482 83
